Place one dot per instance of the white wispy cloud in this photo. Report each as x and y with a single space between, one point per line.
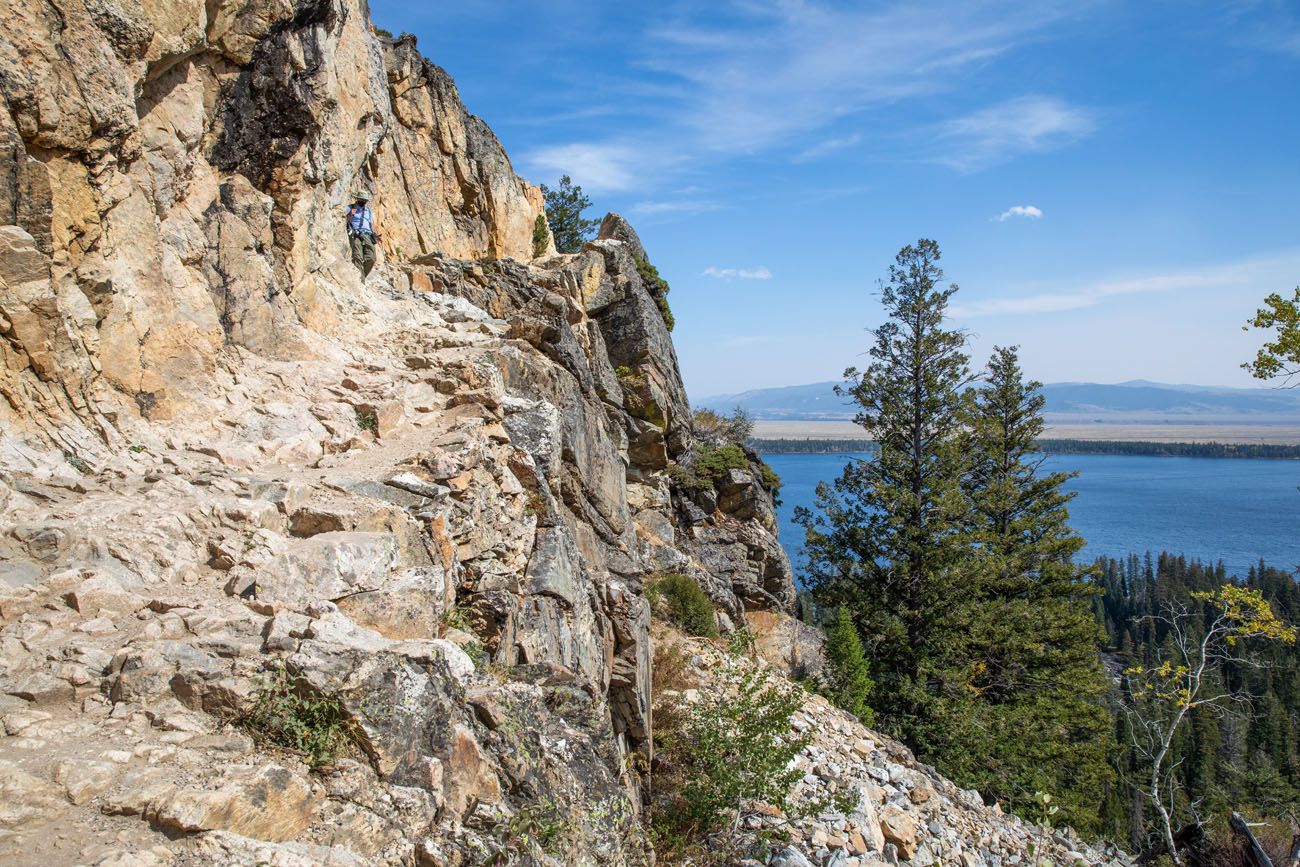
794 66
1018 126
827 147
778 73
1029 211
684 206
1257 275
759 273
598 166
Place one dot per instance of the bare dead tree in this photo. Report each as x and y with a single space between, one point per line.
1204 637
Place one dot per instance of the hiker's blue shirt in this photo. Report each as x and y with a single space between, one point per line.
361 220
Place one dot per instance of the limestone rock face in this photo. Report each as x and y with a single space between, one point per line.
426 504
181 170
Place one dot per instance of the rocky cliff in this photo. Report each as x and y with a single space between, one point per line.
298 569
427 504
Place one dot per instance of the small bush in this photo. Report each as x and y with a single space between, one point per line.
657 287
684 478
541 235
316 727
711 464
681 601
734 747
380 31
368 420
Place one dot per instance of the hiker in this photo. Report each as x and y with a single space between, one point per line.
361 233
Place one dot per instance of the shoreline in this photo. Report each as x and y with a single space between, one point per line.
1168 432
1055 446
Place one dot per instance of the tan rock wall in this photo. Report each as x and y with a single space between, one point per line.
185 167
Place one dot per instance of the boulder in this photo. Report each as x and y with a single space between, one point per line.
267 803
900 829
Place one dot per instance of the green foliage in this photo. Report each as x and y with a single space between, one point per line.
1038 723
712 463
367 420
771 482
733 747
541 235
657 287
889 542
564 207
716 429
1279 357
848 675
953 557
684 478
680 600
286 714
540 828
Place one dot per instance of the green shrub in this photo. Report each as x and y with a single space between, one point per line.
733 747
680 600
848 675
657 287
684 478
711 464
564 207
541 235
380 31
287 716
367 420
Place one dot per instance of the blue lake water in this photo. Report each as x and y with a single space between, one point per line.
1212 509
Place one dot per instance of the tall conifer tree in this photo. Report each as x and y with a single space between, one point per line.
1040 724
888 542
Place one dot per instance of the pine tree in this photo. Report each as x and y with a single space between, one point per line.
564 207
1040 722
848 676
888 542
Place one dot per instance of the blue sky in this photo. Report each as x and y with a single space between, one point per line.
1114 185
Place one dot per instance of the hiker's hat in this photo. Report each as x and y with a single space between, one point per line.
363 196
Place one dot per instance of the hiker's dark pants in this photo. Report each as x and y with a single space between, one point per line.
363 254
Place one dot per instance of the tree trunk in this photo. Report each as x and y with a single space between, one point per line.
1255 853
1166 821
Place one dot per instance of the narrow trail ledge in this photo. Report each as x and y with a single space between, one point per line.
426 505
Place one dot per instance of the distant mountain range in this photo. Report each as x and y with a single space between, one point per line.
1080 401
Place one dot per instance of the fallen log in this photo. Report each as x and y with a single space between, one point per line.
1255 853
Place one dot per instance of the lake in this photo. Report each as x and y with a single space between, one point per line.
1234 510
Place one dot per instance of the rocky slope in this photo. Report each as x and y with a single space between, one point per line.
895 810
238 484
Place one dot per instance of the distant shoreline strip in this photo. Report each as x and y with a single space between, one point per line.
815 446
